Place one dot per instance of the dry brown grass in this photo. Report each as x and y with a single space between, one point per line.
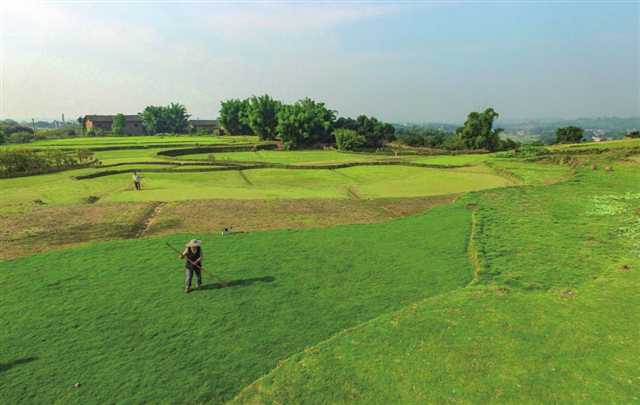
47 228
255 215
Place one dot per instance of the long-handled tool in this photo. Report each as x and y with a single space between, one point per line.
221 281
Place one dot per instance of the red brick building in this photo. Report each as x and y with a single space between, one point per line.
132 124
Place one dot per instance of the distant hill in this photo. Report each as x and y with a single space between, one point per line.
604 127
529 130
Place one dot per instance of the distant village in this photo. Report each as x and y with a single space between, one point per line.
133 124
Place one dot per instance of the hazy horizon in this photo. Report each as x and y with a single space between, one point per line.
401 62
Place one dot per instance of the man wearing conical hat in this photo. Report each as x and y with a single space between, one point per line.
193 264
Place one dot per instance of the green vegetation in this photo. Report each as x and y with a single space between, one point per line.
234 116
373 132
25 162
164 141
550 317
363 182
523 274
117 127
569 134
477 133
171 119
287 157
113 318
263 116
305 123
348 139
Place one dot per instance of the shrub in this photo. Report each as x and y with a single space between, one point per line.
569 134
21 137
348 139
84 154
21 161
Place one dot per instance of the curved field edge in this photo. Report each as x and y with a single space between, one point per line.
475 345
554 322
112 316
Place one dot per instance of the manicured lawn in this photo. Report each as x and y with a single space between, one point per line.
453 160
552 316
113 318
354 182
288 157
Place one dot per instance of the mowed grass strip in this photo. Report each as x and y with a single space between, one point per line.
113 318
364 181
287 157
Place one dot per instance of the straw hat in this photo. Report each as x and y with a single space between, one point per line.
194 243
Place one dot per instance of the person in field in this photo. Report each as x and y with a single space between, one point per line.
193 264
136 181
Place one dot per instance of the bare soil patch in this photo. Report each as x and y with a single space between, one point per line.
47 228
256 215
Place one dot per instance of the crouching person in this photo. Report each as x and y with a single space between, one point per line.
193 264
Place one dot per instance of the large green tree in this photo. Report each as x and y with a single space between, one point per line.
478 133
569 134
177 119
305 123
348 139
263 116
117 126
371 129
172 118
234 116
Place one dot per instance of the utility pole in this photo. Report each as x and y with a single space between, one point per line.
33 124
63 119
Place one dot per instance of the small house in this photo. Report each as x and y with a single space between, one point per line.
206 126
132 124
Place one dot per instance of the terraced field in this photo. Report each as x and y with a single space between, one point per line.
492 279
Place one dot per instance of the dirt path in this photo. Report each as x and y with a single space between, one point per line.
148 218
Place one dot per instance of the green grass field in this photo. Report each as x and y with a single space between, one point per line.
113 316
551 316
287 157
86 142
517 285
617 144
358 182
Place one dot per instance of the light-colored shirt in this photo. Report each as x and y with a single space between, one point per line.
136 177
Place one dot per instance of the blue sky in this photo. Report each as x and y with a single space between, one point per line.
400 61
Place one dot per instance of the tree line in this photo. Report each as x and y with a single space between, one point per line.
478 132
305 123
27 161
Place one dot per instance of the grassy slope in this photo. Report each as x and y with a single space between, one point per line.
288 157
617 144
112 316
85 142
373 182
552 317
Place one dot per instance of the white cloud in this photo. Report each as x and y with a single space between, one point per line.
291 18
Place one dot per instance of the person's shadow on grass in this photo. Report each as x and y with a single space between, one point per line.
238 283
6 366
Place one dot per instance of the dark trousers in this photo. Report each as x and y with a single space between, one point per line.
137 185
188 276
